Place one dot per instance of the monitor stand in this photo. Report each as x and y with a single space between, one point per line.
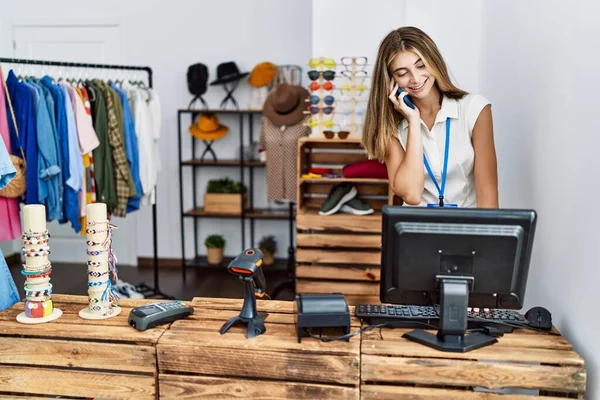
454 300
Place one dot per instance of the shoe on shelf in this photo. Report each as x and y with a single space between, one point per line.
338 196
127 290
357 207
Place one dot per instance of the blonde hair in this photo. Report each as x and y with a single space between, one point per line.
381 119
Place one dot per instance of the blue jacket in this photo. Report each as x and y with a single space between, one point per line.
132 151
22 100
50 180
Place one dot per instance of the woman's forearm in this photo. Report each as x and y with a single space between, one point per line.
409 180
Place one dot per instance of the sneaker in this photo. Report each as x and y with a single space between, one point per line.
338 195
127 290
357 207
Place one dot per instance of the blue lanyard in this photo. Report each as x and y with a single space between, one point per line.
445 170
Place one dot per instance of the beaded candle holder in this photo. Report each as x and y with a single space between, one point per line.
37 268
101 265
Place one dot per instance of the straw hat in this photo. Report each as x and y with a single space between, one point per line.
208 128
16 186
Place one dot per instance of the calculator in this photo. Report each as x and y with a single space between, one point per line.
151 315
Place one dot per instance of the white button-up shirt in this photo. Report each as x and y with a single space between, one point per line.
460 181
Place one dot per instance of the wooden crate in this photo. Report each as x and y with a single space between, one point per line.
196 362
339 252
395 368
224 203
76 357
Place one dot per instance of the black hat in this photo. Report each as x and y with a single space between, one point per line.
197 76
228 72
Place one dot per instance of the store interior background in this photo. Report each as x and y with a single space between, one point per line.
536 61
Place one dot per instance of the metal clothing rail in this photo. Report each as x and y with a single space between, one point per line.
143 288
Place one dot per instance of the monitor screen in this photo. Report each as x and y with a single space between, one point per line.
489 247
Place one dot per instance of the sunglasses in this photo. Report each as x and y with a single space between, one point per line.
357 61
328 63
314 99
331 134
346 87
328 75
359 112
316 86
314 123
326 110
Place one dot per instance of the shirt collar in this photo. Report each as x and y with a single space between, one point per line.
449 110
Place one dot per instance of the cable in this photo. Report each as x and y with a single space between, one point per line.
361 330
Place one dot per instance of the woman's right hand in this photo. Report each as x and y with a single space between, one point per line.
400 105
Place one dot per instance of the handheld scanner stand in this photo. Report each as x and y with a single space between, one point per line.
247 266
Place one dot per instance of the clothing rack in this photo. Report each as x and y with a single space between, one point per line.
143 288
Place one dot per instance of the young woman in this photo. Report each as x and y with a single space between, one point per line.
442 151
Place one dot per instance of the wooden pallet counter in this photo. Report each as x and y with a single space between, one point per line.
196 361
75 357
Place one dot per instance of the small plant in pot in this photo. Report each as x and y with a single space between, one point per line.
268 246
214 249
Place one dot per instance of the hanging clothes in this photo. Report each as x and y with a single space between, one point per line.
88 141
131 147
122 172
281 145
74 181
9 295
155 165
50 185
10 221
103 170
8 290
22 101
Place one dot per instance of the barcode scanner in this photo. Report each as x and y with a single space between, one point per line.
248 267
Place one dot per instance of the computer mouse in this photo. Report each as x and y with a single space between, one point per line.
540 318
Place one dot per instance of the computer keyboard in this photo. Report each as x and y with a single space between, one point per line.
416 316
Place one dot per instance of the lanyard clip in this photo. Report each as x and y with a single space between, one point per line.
441 201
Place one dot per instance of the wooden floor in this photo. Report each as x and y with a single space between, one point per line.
72 279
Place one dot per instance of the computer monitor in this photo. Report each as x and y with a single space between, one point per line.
455 257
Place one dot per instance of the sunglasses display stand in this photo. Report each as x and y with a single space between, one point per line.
321 107
351 72
320 118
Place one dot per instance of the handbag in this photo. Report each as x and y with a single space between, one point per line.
17 186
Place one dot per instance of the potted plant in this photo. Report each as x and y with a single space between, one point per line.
224 196
214 248
268 246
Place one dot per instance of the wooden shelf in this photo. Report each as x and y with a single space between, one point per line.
223 163
256 213
338 180
309 219
317 139
201 262
218 111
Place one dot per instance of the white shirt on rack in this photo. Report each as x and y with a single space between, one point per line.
143 120
460 181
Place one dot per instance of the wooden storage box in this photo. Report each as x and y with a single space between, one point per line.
197 362
74 357
393 367
339 252
225 203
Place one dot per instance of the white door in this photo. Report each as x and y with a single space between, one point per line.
100 44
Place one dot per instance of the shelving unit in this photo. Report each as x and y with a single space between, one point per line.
340 252
249 214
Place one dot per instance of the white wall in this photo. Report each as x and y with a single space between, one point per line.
169 37
540 70
352 27
455 27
